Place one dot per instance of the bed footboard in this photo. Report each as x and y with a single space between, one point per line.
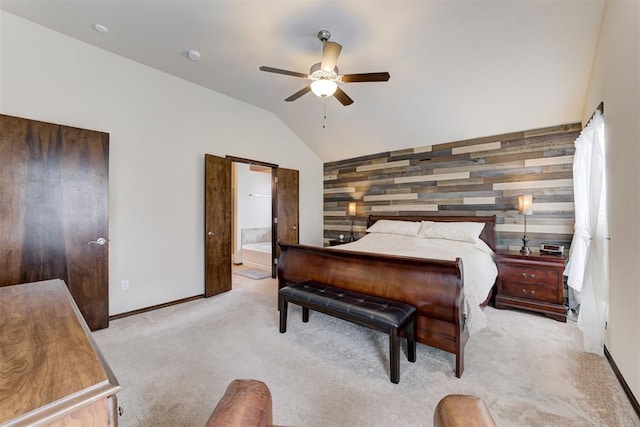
434 287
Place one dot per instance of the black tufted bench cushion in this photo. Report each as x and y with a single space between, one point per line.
377 313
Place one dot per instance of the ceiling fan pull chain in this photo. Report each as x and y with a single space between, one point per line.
324 112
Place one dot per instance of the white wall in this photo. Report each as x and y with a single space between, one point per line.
615 80
160 129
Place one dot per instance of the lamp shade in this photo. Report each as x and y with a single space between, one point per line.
525 204
351 210
323 87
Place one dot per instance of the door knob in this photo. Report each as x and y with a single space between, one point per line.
211 233
101 241
294 227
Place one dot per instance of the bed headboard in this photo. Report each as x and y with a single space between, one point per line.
488 234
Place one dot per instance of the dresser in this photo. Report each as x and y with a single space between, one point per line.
52 372
531 282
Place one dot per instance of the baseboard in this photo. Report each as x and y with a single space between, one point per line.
623 383
155 307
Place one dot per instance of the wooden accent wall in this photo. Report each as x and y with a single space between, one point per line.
481 176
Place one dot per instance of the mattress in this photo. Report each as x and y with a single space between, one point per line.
479 267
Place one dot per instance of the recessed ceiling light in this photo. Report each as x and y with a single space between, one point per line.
101 28
193 55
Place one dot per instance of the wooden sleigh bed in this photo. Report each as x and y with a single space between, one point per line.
434 287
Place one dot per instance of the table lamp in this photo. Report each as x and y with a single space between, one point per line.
525 207
351 211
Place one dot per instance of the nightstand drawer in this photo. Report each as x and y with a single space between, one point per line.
529 275
530 291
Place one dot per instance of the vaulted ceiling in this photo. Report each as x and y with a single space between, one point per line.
459 69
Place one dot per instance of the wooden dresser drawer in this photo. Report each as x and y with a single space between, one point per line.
529 275
530 291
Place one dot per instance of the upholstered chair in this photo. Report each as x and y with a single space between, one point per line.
246 403
458 410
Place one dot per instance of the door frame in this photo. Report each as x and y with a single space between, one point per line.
274 204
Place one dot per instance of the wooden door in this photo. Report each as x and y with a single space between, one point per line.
287 207
217 211
53 202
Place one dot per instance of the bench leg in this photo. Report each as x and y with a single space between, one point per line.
394 360
283 306
459 361
305 314
410 331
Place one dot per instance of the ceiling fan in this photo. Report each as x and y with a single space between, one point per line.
324 75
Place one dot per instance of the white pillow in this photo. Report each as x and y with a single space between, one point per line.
460 231
402 228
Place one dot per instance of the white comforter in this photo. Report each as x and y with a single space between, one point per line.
479 268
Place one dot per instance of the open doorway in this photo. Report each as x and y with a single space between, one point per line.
252 219
219 226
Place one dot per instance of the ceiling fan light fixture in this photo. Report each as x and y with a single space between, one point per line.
323 88
324 75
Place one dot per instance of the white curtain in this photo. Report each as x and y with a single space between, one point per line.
588 266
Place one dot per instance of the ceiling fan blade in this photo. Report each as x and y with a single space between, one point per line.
299 93
330 53
287 72
342 97
366 77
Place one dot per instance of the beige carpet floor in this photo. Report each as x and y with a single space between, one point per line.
175 363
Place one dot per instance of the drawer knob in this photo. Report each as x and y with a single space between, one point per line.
524 291
524 274
533 292
533 276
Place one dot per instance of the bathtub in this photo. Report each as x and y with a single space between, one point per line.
257 253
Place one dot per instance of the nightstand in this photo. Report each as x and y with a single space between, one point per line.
336 242
531 282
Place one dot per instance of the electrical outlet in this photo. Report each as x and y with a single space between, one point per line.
124 285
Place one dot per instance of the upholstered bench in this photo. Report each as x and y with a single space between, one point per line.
377 313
